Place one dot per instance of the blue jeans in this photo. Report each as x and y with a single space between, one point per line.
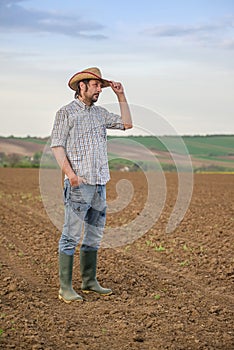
85 206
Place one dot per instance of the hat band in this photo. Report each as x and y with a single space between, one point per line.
95 75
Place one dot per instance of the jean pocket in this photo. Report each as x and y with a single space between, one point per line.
77 194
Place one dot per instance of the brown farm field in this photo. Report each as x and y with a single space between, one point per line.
171 291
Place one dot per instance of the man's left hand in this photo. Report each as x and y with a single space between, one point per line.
117 87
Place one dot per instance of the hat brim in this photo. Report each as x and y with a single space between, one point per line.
81 76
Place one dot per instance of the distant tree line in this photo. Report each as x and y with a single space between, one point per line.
15 160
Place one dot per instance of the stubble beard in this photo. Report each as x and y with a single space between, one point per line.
95 97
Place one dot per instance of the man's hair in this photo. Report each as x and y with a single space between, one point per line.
86 81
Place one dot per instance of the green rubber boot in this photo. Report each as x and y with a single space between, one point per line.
88 267
66 292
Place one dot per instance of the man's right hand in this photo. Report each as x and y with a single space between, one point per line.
76 180
65 165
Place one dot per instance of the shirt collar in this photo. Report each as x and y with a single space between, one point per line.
82 105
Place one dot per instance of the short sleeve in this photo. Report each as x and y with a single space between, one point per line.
60 129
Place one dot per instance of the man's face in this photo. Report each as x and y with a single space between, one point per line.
94 88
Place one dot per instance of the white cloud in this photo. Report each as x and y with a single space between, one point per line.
217 33
16 18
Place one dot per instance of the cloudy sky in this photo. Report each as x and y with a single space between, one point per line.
174 58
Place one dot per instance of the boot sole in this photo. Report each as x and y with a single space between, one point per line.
68 301
93 291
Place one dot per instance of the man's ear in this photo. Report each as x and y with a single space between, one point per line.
82 85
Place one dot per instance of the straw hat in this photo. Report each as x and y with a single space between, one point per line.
89 73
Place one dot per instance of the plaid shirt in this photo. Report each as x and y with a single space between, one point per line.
81 130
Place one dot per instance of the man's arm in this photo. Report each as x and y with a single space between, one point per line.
124 107
65 166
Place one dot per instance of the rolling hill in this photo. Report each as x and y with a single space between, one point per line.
207 153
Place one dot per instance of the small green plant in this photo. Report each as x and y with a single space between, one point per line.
164 290
149 243
184 263
1 332
21 254
159 248
104 330
185 248
26 196
157 296
11 246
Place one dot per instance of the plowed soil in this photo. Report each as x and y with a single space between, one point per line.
171 291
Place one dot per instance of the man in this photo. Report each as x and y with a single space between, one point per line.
79 144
